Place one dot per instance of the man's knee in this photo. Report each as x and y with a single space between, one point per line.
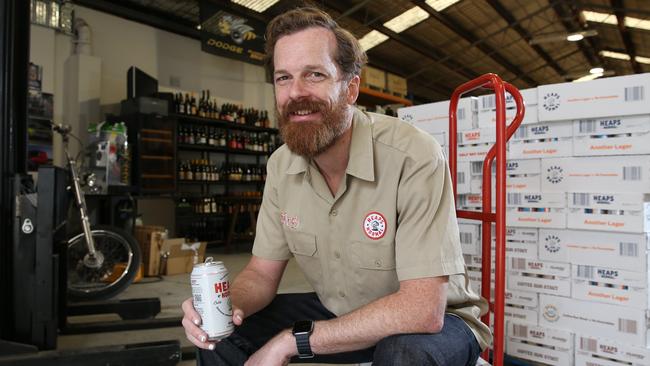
402 349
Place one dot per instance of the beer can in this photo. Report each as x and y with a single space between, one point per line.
211 296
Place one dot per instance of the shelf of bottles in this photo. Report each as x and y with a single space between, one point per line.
204 217
201 171
209 138
228 115
211 173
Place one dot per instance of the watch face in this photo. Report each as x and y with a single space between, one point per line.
303 326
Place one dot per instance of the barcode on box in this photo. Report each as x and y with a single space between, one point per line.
466 238
631 173
581 199
461 177
520 331
490 101
628 249
462 201
518 263
634 94
514 199
585 271
460 114
477 167
627 326
588 344
587 125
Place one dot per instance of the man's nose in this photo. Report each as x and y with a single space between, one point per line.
298 89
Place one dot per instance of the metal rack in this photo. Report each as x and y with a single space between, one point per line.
486 216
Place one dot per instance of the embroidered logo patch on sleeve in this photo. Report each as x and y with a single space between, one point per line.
374 225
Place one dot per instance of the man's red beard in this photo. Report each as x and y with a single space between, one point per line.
311 138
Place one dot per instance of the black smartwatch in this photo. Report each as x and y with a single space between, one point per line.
302 330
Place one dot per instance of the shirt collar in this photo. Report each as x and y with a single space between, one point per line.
361 160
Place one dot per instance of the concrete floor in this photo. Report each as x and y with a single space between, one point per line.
172 291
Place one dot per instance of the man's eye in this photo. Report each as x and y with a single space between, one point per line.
281 78
315 75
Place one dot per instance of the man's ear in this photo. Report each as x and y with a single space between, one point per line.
353 89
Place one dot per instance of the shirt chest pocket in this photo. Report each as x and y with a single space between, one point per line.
302 243
377 256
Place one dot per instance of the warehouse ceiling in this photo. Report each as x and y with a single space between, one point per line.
524 41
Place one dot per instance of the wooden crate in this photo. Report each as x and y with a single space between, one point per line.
150 238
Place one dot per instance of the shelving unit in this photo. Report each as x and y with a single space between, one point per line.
371 97
235 223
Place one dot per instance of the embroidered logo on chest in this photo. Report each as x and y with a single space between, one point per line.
374 225
289 221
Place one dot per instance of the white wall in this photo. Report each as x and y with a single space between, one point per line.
122 43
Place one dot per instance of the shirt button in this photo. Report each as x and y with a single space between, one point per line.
378 262
341 293
334 213
337 254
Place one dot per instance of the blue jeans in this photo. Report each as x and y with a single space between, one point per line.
454 345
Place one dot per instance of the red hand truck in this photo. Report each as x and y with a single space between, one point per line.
486 216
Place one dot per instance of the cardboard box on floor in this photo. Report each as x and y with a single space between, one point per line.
181 256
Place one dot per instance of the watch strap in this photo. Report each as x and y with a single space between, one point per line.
304 348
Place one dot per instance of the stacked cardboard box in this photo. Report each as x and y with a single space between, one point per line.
578 184
606 180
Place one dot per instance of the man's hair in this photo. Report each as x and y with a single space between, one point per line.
349 56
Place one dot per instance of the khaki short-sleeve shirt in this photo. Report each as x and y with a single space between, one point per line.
393 219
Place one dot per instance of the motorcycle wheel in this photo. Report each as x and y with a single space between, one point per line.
103 279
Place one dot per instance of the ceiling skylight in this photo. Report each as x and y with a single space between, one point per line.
631 22
372 39
407 19
440 5
256 5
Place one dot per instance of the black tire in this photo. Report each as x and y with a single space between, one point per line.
117 246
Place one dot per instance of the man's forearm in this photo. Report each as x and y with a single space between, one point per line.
397 313
251 292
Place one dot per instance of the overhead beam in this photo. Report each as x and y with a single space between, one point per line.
467 35
523 33
410 43
484 39
137 13
619 11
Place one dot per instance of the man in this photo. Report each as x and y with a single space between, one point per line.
364 204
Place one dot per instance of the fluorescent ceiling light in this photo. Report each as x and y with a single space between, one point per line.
625 56
440 5
597 70
592 16
575 37
643 60
637 23
588 77
407 19
372 39
612 54
256 5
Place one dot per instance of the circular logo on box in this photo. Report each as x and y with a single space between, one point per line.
374 225
554 174
551 101
552 243
550 313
